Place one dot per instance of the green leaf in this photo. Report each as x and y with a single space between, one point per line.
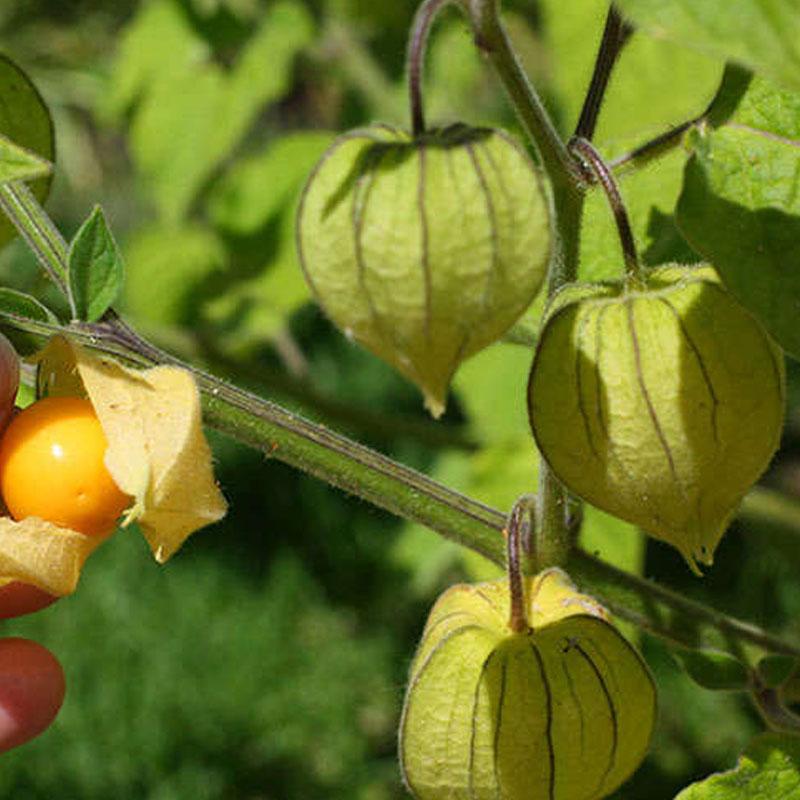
653 87
25 121
768 770
762 36
95 268
189 112
740 206
714 669
19 164
258 187
166 269
23 305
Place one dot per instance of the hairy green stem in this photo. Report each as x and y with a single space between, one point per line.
492 37
45 240
412 495
552 539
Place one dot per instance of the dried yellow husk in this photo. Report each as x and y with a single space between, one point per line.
661 404
563 711
157 454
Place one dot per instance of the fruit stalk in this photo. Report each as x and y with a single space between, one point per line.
417 44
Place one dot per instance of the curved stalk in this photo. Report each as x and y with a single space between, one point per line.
417 45
595 162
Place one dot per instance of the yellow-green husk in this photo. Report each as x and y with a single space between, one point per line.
660 404
424 250
563 711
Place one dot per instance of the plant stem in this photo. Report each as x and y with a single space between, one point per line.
45 240
409 494
615 35
492 38
417 46
552 539
587 151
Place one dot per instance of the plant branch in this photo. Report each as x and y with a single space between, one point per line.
616 34
553 540
45 240
402 491
492 37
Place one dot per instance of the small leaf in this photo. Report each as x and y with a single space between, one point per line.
19 164
95 268
740 207
714 669
24 305
764 37
156 449
25 120
768 770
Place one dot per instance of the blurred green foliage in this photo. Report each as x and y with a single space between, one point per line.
268 659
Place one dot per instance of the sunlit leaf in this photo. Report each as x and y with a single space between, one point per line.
762 36
740 206
167 268
256 188
95 268
189 112
769 769
653 87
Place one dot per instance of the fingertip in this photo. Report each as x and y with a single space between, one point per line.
32 688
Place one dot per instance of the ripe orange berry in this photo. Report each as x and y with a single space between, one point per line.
51 467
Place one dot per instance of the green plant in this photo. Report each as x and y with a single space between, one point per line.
726 197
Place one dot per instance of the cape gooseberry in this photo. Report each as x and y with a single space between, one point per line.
424 250
563 711
660 404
